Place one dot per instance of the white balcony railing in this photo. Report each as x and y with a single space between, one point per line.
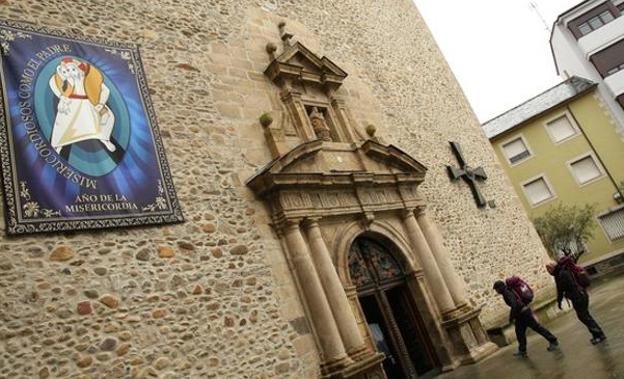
602 37
615 82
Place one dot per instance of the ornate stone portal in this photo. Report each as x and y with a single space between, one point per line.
327 186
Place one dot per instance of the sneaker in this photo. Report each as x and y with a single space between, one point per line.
554 346
597 340
520 354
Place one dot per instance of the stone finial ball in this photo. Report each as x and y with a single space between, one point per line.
371 130
271 48
266 119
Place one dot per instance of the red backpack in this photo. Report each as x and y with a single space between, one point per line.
521 289
581 277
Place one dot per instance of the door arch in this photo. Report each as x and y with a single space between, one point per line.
391 314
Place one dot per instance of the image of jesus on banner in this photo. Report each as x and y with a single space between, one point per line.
82 113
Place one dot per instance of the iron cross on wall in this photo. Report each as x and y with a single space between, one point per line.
469 174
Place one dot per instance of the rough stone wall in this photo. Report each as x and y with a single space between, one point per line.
213 297
194 300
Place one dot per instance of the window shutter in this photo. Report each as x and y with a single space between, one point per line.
561 129
537 191
613 224
516 150
585 170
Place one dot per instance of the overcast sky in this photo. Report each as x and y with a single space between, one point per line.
498 49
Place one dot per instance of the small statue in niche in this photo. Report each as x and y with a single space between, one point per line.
319 125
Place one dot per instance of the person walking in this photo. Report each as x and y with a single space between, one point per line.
573 287
521 314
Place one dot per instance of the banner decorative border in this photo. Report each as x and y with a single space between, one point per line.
11 189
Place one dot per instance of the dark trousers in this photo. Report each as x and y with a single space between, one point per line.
526 320
581 306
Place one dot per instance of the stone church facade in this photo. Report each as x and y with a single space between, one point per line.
308 147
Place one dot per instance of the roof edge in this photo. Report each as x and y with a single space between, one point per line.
540 114
593 84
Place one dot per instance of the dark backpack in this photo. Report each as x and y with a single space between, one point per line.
521 289
581 277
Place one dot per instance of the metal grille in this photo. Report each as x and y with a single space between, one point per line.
613 224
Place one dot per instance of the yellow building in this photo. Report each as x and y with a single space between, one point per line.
561 147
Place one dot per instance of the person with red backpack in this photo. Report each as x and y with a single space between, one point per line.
572 282
517 295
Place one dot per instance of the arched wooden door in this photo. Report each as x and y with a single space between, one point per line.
390 311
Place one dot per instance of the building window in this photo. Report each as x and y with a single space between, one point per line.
561 129
516 150
615 69
610 60
584 28
538 191
596 22
585 170
613 224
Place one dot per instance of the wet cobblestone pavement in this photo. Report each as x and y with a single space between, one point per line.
578 358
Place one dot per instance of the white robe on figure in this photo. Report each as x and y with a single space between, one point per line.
82 110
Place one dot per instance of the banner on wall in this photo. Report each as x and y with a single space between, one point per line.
79 144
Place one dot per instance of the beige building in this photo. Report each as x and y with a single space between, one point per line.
562 147
325 241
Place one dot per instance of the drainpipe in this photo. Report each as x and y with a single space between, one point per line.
591 145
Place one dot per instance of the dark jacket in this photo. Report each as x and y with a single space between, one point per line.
517 306
567 286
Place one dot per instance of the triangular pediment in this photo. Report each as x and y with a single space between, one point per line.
315 164
300 63
392 156
322 65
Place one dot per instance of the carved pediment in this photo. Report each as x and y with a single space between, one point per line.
321 164
298 63
315 164
394 157
310 105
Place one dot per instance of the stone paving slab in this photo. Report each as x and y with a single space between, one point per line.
578 358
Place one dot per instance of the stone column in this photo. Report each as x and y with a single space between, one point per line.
292 100
340 109
318 308
336 296
432 273
455 284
